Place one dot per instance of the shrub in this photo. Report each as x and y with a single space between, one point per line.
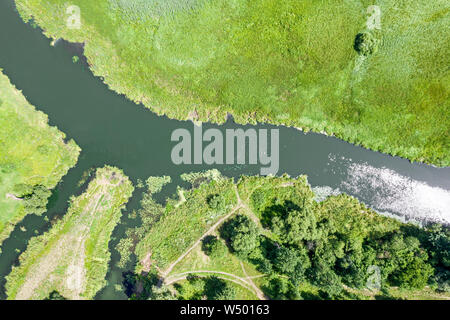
366 43
242 235
213 247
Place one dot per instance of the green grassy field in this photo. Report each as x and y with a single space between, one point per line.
72 257
285 62
31 152
183 222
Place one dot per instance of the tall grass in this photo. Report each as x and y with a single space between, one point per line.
90 220
31 152
285 62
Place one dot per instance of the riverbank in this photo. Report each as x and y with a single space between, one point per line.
72 257
32 153
82 106
266 72
271 238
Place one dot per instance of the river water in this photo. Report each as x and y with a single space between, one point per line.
112 130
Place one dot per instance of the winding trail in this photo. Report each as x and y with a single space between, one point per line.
244 282
223 278
238 206
259 293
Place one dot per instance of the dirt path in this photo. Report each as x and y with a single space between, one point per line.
223 278
244 282
11 196
70 246
211 271
259 293
241 281
196 243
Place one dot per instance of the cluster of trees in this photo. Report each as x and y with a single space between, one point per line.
316 245
34 197
328 246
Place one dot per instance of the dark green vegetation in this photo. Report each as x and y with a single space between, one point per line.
71 259
309 64
275 241
33 158
55 295
213 247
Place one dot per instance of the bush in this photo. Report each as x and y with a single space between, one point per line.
218 289
36 202
55 295
366 43
213 247
216 202
242 234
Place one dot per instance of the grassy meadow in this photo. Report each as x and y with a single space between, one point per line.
285 62
31 153
181 223
72 257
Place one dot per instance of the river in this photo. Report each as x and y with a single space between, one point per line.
112 130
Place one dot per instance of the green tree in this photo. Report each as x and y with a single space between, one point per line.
366 43
439 245
55 295
296 226
292 262
36 202
414 275
242 234
326 279
403 261
216 202
218 289
213 247
227 293
161 293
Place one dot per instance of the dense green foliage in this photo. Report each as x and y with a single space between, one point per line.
213 247
72 257
338 242
35 197
155 184
33 158
286 62
366 43
55 295
300 248
242 235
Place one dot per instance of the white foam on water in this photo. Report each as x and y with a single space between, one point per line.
323 192
386 190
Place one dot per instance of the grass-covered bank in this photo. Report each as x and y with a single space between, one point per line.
284 62
270 238
33 158
72 257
